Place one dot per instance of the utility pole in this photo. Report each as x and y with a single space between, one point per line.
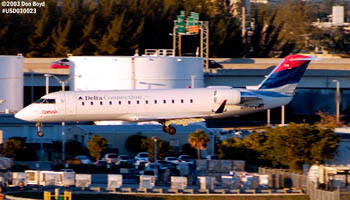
63 84
268 117
337 100
243 24
283 115
155 140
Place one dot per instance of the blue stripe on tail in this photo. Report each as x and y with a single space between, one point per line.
284 77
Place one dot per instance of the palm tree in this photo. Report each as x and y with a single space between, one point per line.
198 140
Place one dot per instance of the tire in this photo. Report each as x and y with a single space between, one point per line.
40 134
165 129
172 130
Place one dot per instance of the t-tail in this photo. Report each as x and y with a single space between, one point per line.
285 77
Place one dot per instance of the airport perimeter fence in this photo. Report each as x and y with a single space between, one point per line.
281 178
317 194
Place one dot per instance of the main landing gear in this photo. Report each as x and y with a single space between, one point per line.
39 125
169 129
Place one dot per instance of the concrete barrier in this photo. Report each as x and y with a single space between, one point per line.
173 190
157 190
235 191
188 191
144 190
220 191
96 189
206 191
126 189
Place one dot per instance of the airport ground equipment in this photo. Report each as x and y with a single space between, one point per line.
114 181
67 195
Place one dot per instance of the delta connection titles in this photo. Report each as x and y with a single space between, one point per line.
21 7
106 97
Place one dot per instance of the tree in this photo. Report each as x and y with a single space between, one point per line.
248 149
290 146
60 38
328 121
97 145
265 33
134 143
225 31
298 144
198 140
187 149
163 147
12 147
38 41
75 148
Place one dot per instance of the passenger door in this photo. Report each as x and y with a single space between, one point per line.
70 105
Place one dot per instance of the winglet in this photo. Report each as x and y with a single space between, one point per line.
221 108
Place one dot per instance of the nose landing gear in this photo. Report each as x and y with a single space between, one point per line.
39 125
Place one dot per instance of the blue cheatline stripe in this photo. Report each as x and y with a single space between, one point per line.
270 94
284 77
263 93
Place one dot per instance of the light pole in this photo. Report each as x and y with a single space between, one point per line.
63 84
155 140
47 76
337 99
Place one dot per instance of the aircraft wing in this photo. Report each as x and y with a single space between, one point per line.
179 120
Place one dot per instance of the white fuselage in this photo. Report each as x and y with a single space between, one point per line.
149 105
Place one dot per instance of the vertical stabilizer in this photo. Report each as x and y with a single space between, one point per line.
285 77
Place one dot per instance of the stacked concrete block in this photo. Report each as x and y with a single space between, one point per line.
178 182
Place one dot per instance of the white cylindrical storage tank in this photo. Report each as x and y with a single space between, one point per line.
11 83
100 72
168 72
135 72
338 15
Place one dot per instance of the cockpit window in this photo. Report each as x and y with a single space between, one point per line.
46 101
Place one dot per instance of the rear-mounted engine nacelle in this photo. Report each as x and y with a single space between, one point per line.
232 96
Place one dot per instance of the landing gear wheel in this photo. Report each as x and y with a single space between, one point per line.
165 129
40 133
171 130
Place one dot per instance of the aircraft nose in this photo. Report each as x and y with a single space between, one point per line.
21 115
25 115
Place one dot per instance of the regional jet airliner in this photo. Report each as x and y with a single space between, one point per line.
170 106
